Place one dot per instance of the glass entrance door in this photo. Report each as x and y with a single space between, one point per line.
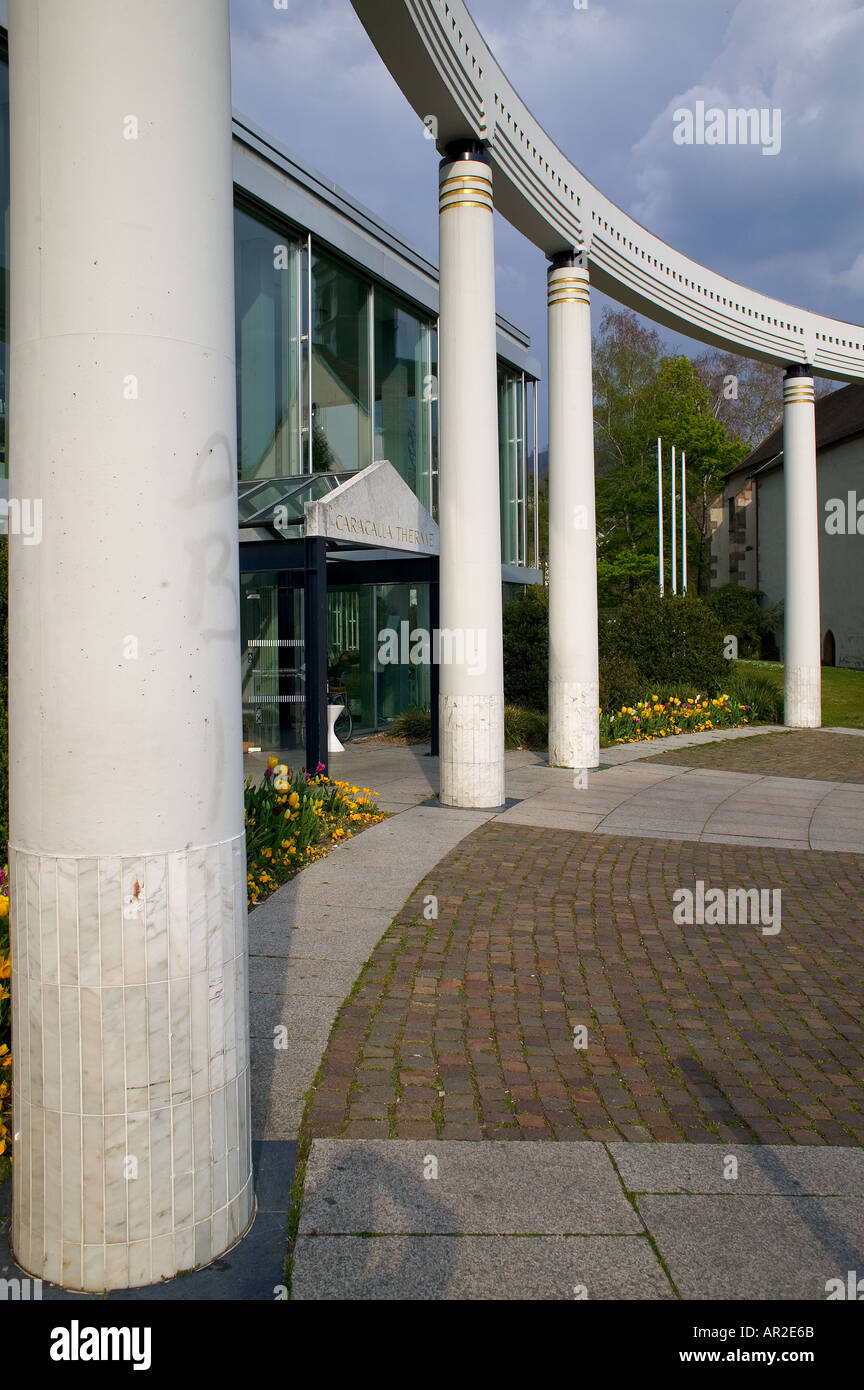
350 650
402 610
274 671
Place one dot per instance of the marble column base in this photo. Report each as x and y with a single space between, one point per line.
802 699
574 724
471 731
132 1153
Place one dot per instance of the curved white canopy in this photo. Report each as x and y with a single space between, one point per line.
438 57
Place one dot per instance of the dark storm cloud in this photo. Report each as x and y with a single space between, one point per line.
606 82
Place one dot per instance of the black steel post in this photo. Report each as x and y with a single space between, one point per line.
315 641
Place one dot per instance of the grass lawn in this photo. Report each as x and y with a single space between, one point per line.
842 691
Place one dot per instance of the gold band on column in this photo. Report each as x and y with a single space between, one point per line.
466 190
566 288
799 389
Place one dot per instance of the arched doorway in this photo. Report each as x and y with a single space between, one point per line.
829 649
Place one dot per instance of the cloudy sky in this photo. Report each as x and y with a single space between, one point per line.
605 82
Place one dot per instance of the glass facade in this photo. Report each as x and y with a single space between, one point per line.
321 345
270 293
404 391
341 368
335 371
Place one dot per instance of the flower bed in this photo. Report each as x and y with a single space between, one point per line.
293 818
5 1019
657 718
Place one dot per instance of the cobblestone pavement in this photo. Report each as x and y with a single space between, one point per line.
463 1027
826 757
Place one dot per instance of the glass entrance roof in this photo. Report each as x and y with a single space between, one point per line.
280 502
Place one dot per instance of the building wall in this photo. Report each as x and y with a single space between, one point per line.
841 557
733 556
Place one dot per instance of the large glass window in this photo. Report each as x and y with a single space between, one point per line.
269 287
341 429
512 450
404 389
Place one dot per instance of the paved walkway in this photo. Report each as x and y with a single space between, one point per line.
470 1026
553 914
309 942
574 1221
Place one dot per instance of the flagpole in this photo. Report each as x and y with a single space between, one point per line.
660 507
683 522
674 531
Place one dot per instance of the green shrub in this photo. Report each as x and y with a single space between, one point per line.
620 681
741 613
525 728
526 649
414 724
673 641
759 692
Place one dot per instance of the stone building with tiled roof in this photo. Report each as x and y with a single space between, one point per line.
748 543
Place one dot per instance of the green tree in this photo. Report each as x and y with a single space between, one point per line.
641 394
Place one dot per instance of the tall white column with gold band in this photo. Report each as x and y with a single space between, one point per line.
132 1156
802 653
574 720
472 674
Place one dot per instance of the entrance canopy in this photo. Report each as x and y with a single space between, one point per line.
372 507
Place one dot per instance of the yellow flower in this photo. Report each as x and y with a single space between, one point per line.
272 762
294 801
4 906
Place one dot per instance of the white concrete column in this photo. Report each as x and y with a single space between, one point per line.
574 693
802 653
472 674
129 985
